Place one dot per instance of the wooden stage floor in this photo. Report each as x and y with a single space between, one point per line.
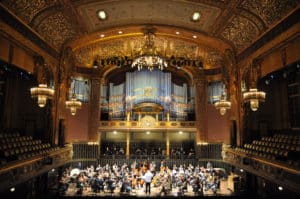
155 192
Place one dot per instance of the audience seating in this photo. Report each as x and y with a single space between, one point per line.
15 147
280 147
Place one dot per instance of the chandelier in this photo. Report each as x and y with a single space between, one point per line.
223 104
42 93
254 96
73 104
148 57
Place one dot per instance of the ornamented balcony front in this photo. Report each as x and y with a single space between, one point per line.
19 171
277 172
155 125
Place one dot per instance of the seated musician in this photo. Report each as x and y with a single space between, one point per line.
63 183
125 188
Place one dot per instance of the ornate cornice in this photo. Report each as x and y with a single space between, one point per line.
10 19
278 29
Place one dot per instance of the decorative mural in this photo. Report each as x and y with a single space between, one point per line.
241 32
130 47
56 29
27 9
270 10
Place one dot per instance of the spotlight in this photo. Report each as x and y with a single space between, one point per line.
280 188
196 16
102 14
12 189
241 170
95 64
115 132
284 75
148 132
267 82
180 132
177 33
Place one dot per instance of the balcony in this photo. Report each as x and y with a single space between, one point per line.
20 171
271 170
136 125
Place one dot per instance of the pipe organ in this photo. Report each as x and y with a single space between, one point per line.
147 87
81 88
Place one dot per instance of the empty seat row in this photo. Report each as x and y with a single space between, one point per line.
9 135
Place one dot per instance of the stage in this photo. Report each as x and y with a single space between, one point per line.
155 192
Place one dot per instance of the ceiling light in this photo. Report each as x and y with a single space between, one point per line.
12 189
120 32
194 36
196 16
280 188
115 132
102 35
148 132
177 33
102 14
180 132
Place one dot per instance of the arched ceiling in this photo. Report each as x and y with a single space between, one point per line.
223 24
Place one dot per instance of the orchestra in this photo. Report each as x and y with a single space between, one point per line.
129 179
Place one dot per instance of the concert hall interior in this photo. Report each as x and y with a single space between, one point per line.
149 98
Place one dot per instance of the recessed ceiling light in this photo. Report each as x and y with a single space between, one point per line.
177 33
12 189
196 16
280 188
115 132
102 35
194 36
102 14
148 132
180 132
120 32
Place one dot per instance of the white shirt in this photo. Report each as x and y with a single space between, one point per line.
148 176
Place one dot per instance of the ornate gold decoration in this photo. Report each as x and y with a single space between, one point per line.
129 46
270 10
241 32
148 121
56 29
148 57
27 10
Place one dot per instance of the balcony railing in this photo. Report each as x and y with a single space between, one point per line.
276 172
190 125
20 171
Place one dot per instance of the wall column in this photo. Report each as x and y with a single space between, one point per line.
94 109
201 109
167 144
127 144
